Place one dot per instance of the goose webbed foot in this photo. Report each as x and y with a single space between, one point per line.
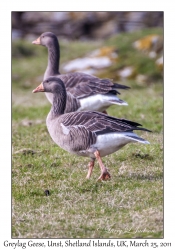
105 175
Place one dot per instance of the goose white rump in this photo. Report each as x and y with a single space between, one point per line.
100 102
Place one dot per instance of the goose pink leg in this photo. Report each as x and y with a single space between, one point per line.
105 175
91 166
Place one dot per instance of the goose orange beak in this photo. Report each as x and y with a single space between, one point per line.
37 41
40 88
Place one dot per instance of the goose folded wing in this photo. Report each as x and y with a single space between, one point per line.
98 123
83 85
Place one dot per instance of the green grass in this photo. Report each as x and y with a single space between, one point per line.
130 205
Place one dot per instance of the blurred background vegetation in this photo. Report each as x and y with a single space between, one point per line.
83 25
129 50
131 43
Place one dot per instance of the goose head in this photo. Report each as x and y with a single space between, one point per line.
51 85
46 39
55 86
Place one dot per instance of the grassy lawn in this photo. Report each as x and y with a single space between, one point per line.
130 205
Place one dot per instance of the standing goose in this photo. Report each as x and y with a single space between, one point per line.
88 133
91 92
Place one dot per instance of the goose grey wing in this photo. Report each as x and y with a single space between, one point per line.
83 85
99 123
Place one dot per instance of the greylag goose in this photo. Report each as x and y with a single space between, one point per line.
89 133
92 93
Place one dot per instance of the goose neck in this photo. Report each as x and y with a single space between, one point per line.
59 102
53 60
